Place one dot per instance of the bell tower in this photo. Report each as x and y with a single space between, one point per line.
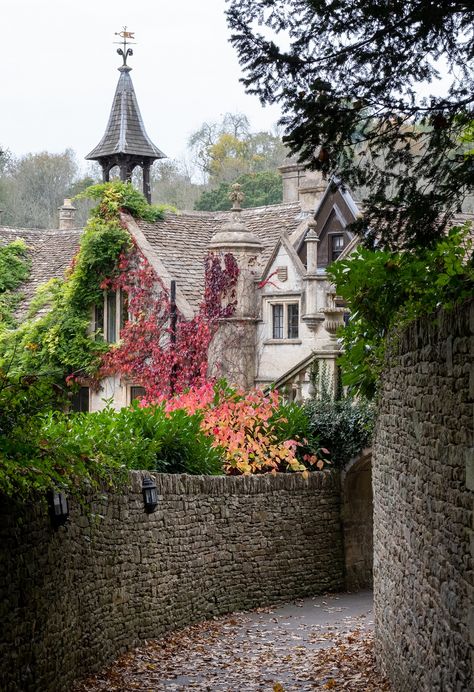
125 143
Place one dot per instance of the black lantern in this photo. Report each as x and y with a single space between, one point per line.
58 508
150 495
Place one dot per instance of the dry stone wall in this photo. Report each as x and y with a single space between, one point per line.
74 598
423 478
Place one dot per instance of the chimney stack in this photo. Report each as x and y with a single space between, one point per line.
301 184
67 215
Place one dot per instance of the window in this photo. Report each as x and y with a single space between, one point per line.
136 392
80 400
99 319
292 321
111 308
277 321
111 317
337 245
285 320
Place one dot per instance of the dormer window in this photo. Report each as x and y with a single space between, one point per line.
337 245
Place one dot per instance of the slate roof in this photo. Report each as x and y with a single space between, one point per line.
182 240
51 252
125 133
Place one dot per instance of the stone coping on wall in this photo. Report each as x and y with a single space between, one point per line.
184 484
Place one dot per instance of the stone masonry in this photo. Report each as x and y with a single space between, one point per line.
74 598
423 477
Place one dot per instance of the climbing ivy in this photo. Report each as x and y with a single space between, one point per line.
57 342
14 270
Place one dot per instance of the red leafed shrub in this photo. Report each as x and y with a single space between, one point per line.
149 353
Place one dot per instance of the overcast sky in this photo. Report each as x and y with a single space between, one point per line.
59 71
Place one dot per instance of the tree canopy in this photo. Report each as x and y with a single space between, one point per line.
226 149
354 79
259 189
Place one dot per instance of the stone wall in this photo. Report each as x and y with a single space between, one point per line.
423 478
358 524
72 599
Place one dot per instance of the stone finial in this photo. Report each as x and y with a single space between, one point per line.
236 196
312 241
234 235
67 213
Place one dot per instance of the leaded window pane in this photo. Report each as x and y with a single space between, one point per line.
99 318
277 321
293 320
136 392
337 242
80 400
123 309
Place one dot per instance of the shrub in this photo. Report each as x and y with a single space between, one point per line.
344 426
385 291
254 430
40 449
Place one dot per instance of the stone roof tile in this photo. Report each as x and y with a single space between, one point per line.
50 251
182 240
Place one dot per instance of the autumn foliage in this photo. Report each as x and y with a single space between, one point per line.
248 428
151 352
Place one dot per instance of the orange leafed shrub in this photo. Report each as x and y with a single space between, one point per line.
242 425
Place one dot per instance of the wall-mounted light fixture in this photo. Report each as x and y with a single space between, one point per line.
58 508
150 495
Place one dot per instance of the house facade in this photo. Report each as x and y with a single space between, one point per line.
287 312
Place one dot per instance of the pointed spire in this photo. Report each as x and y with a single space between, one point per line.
125 142
125 132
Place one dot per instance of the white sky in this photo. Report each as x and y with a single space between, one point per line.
59 71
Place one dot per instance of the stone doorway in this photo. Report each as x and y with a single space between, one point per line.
357 522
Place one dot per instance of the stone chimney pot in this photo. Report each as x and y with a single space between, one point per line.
67 214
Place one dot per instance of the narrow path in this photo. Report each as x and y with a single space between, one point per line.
323 642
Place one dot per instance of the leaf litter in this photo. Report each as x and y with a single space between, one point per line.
249 652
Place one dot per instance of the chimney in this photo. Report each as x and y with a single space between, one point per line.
67 215
303 185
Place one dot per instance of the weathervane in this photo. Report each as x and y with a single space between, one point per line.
125 51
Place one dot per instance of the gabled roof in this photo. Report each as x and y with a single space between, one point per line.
284 241
50 251
125 133
182 240
178 243
336 200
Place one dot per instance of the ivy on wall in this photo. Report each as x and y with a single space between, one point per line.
151 352
386 290
14 270
58 343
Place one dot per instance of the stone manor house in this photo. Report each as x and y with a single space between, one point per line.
287 311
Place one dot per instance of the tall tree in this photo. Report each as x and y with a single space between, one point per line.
172 184
227 149
349 76
35 186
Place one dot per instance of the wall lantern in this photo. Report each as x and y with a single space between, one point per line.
58 508
150 495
